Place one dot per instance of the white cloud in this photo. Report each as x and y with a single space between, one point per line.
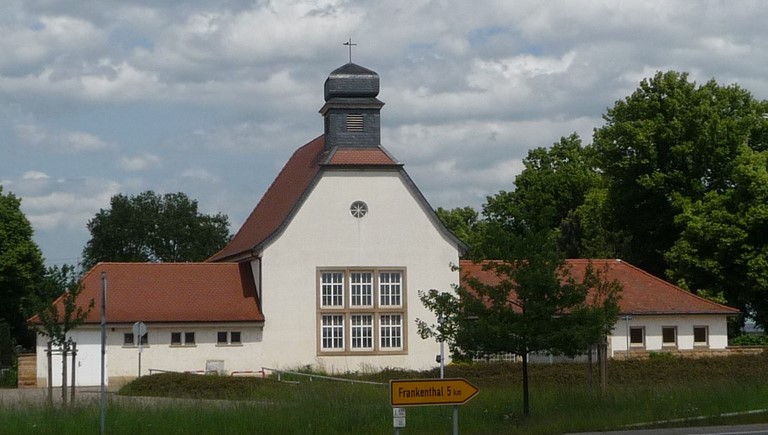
35 175
200 174
140 162
60 141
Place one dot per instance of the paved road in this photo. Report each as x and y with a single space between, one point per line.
750 429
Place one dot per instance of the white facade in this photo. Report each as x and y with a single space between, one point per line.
649 333
396 233
122 361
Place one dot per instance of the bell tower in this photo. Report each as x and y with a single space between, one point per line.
352 113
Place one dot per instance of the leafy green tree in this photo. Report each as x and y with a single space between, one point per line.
723 248
152 228
534 305
671 139
21 266
553 184
465 223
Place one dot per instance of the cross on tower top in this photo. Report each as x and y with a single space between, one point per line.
349 43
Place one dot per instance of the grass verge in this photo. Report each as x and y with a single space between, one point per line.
561 401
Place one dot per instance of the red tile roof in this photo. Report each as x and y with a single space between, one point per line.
277 203
286 193
642 292
360 156
172 292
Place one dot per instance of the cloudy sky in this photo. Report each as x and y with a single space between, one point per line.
210 98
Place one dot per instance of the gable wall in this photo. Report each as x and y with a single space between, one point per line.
396 232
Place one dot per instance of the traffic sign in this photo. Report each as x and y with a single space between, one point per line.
412 392
139 329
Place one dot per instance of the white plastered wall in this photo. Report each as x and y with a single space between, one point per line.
123 361
396 232
717 331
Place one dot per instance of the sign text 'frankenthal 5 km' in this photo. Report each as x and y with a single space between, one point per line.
412 392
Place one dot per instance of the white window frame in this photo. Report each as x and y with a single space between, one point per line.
390 291
332 284
332 332
370 297
361 331
361 288
391 334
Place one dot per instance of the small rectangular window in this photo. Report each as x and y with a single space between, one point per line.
182 338
235 337
228 337
669 336
700 336
637 336
130 340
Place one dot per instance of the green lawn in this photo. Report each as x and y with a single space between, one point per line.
561 401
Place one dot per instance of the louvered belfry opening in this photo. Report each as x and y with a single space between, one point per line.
355 123
351 110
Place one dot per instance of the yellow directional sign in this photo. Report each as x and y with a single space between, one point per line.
412 392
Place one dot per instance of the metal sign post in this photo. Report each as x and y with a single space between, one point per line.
139 329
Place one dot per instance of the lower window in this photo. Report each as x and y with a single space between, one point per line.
182 338
130 340
637 336
669 336
700 336
228 338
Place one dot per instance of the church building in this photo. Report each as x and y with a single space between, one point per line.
324 272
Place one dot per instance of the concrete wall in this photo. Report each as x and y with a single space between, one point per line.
395 233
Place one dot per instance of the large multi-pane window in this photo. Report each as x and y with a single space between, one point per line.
361 310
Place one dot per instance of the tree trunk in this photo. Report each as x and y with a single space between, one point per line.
64 348
526 402
49 353
74 366
589 362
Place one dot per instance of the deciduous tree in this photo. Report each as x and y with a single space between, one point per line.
723 248
21 265
152 228
533 305
672 139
